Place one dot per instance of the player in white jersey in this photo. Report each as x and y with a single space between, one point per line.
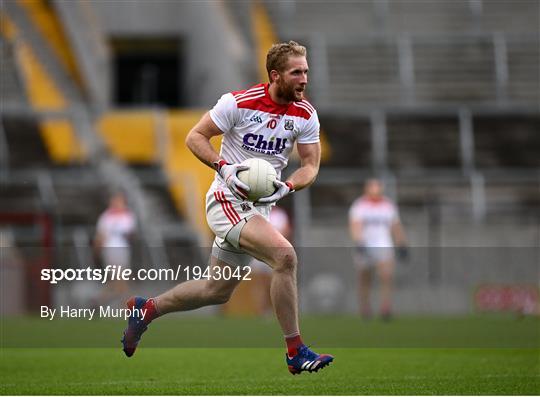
261 272
375 228
264 122
114 229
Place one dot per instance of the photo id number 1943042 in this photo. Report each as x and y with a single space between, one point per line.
217 272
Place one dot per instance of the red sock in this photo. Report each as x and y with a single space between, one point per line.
293 343
151 311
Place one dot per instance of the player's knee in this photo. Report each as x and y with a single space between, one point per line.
285 260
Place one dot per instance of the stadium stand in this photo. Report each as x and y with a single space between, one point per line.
523 65
373 66
351 138
11 89
454 71
439 98
58 164
495 147
27 149
413 144
459 51
516 17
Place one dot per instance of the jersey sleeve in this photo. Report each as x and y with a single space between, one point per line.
101 224
131 223
225 113
310 133
355 213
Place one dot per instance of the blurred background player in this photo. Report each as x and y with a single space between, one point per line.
115 227
264 121
262 273
375 228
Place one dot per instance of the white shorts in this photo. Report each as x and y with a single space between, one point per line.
370 257
226 216
116 256
260 267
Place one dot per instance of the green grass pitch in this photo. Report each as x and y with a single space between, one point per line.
398 362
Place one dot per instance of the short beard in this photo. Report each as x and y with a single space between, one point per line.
286 93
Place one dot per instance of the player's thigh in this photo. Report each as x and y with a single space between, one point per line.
365 274
223 277
262 241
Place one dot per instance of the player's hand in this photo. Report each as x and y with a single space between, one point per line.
361 249
403 253
282 189
229 173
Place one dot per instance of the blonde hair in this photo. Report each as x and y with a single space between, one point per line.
278 55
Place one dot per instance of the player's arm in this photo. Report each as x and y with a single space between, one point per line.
400 241
355 230
398 234
310 159
99 237
198 140
131 229
97 245
98 241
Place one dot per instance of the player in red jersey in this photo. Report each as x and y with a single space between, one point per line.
114 230
375 227
263 121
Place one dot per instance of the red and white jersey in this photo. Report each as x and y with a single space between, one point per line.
254 125
115 226
377 218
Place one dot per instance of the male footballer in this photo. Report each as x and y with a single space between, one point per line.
375 228
263 121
